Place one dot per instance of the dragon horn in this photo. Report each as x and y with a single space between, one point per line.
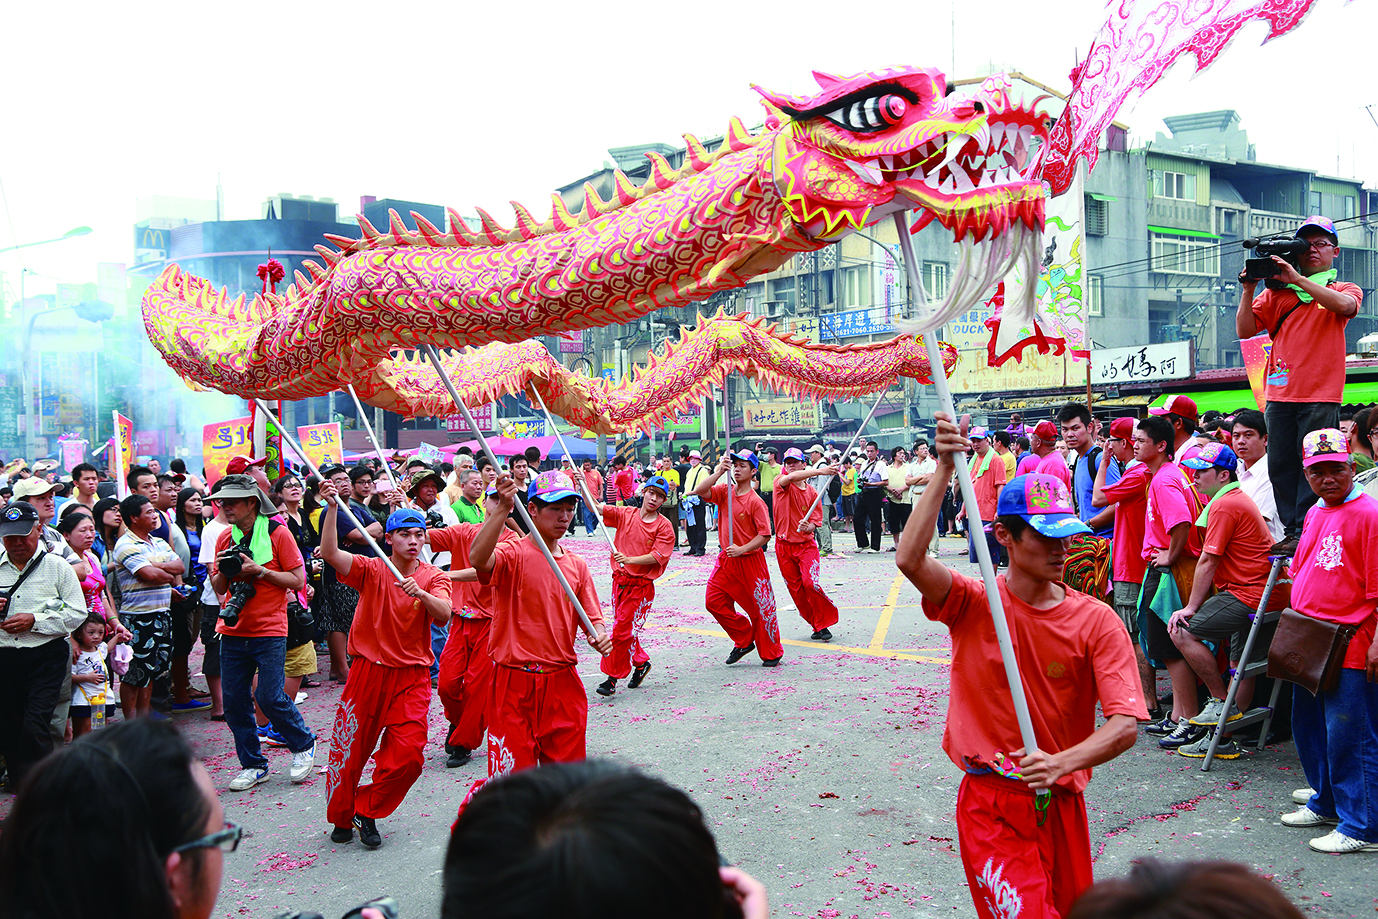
459 230
398 229
560 217
662 173
429 231
495 232
330 255
626 191
594 205
526 224
697 155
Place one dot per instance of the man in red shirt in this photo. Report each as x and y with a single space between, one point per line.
1306 368
1020 858
740 575
623 480
988 477
795 550
539 710
1234 559
388 691
643 544
1335 578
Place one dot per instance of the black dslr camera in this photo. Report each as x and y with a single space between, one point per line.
241 592
1262 267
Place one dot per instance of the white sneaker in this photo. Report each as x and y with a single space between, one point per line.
249 778
302 696
1303 795
301 765
1210 714
1338 843
1305 816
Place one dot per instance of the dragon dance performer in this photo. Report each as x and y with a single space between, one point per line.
539 710
466 667
388 691
795 550
645 538
740 575
1025 853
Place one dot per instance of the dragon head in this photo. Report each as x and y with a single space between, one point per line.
872 143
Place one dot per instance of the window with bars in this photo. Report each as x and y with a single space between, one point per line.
935 280
1097 217
1095 290
1185 255
1174 185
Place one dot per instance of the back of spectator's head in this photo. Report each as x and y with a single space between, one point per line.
533 456
1364 421
1160 431
1188 890
1252 418
584 840
137 784
1022 443
178 465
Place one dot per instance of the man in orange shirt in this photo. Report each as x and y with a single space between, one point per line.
1024 855
643 544
388 691
988 477
539 711
795 550
740 575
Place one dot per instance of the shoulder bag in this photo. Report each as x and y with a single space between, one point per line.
1309 651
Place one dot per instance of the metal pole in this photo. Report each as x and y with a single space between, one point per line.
579 483
372 438
855 438
340 502
522 512
731 468
997 609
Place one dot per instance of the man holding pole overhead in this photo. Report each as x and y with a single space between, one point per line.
1021 817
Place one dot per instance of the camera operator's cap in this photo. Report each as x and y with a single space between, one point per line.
658 482
1046 430
1324 224
404 517
1327 445
978 433
32 488
238 464
552 486
745 456
239 485
1123 428
1044 501
1177 405
422 475
1215 455
18 519
816 448
694 454
794 453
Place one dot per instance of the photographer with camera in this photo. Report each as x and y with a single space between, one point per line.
256 566
1304 309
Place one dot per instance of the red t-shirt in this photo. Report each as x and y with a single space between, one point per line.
1237 533
534 624
988 483
1130 495
637 537
625 483
749 515
1070 656
469 599
265 615
390 628
1307 363
1170 502
1335 571
790 502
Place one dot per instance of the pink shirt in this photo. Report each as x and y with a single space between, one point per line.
1335 571
1169 504
1130 495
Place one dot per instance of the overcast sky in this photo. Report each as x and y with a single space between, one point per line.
464 105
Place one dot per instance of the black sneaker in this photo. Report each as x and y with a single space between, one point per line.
638 675
1185 733
773 662
822 635
342 834
1161 728
739 653
459 756
607 687
368 832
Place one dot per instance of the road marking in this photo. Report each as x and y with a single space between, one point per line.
669 577
886 613
823 646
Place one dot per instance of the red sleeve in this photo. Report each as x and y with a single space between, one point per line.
504 562
614 515
588 596
958 599
445 539
663 542
1117 673
285 551
1264 309
222 542
1353 290
1131 485
361 568
440 587
810 496
718 493
760 517
999 465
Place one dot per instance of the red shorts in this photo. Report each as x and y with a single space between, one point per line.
745 582
535 718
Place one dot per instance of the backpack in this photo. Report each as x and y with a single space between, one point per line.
1092 457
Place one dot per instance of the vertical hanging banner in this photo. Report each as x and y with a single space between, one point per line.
219 442
73 453
124 453
321 443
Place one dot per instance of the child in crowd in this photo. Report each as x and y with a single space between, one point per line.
90 682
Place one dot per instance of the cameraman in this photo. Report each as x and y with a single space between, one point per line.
1306 369
256 564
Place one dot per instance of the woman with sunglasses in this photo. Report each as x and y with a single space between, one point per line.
139 783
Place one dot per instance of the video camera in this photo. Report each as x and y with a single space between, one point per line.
1262 267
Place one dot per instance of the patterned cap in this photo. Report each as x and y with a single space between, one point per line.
1324 224
1213 455
746 456
1324 446
978 433
552 486
794 453
18 519
1044 501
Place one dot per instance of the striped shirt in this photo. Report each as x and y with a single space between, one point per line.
139 597
53 578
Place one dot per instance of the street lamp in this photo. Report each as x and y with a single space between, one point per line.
70 234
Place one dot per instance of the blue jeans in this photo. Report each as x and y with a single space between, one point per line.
240 658
590 518
1288 425
1337 740
439 633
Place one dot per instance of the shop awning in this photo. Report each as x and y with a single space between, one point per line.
1360 392
1173 231
1097 196
1123 402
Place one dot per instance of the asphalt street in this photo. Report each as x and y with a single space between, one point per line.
824 778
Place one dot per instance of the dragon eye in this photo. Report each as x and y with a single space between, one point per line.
875 113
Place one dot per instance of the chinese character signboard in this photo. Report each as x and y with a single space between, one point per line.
774 416
428 453
1167 361
321 443
483 417
874 321
221 441
571 342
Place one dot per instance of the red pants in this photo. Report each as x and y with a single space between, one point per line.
466 681
393 702
535 718
798 563
631 601
1014 866
745 581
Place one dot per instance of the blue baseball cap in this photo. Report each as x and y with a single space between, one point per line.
746 456
404 517
658 482
1044 501
1215 455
